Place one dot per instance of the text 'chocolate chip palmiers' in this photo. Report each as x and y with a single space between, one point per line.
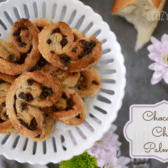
5 124
54 41
24 37
68 106
27 95
89 83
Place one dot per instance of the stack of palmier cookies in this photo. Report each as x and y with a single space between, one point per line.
46 69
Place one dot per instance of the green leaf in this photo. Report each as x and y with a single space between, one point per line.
82 161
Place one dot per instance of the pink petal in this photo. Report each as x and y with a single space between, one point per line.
153 56
157 74
165 48
151 66
165 71
165 78
100 162
158 46
164 38
155 80
151 48
154 40
155 66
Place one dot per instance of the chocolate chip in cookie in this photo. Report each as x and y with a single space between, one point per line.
24 106
33 124
95 82
19 39
1 120
56 30
40 28
22 44
49 41
12 58
2 81
46 92
30 82
65 59
78 116
64 96
70 104
4 104
64 41
27 96
16 33
5 114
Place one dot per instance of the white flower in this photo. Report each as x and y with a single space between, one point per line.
159 53
107 151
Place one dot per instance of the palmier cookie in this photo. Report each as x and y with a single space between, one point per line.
79 119
54 41
47 129
24 38
89 83
41 23
26 119
5 124
83 53
77 34
68 106
35 88
5 82
27 93
66 78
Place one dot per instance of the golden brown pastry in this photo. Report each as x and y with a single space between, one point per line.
5 82
68 106
83 53
27 94
47 129
79 119
89 83
22 54
41 23
36 88
54 41
77 34
66 78
5 125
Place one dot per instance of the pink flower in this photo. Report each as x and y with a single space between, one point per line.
107 151
159 53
